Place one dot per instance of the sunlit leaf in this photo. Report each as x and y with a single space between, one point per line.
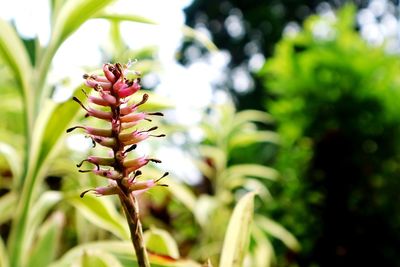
182 194
205 205
50 128
215 154
125 17
252 115
278 231
251 170
101 212
72 15
7 206
191 33
160 242
47 243
263 252
97 258
123 251
13 159
37 214
246 139
238 233
13 51
3 254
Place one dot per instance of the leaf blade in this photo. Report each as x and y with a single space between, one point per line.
236 242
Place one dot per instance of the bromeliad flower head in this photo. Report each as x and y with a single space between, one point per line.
113 90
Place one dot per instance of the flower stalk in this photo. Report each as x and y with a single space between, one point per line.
113 90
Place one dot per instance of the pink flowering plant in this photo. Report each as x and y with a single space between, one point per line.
113 92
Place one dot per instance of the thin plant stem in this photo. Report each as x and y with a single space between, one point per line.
131 210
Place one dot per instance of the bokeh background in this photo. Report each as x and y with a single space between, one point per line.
298 101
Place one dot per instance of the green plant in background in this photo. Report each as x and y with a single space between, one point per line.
335 99
237 239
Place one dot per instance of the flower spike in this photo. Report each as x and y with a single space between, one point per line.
108 101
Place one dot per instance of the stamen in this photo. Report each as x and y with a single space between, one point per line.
80 103
163 176
135 174
149 130
159 135
155 113
85 170
73 128
86 191
132 147
145 97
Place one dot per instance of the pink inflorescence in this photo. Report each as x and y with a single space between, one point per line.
113 90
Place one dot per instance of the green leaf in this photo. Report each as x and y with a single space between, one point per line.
238 233
183 194
246 139
125 17
113 247
190 33
48 240
160 242
98 258
123 251
3 254
101 212
216 154
251 170
72 15
13 159
252 115
51 125
7 206
263 252
38 212
278 231
13 51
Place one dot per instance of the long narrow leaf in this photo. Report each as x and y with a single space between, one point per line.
7 206
69 18
48 241
238 233
102 213
251 170
3 255
16 56
190 33
13 159
246 139
278 231
161 242
125 17
123 251
38 213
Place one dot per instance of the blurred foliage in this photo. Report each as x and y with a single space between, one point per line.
335 99
202 231
245 29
